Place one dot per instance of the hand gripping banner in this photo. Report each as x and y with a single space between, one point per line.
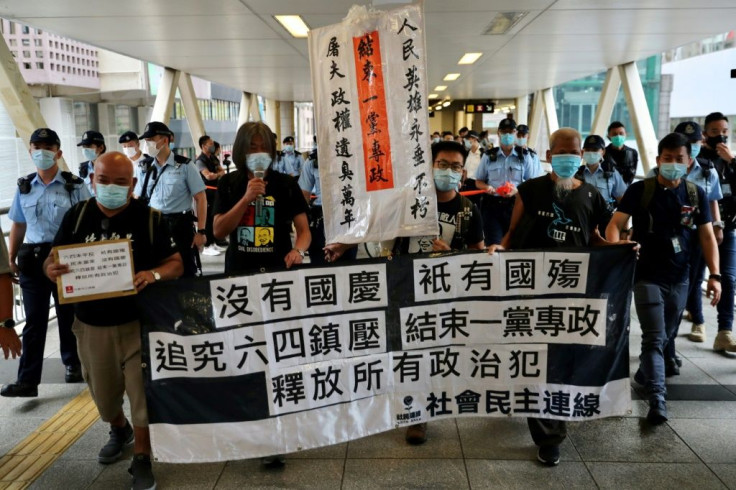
273 363
370 96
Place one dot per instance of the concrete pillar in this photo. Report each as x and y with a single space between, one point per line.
459 121
550 111
23 110
244 113
535 128
165 96
191 108
273 119
646 139
606 102
286 118
522 110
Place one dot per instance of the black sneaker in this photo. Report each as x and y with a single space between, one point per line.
549 455
73 374
18 389
671 368
657 412
119 438
142 473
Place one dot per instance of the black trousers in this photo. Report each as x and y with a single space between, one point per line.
181 228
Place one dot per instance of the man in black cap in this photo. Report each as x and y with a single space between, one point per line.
93 145
522 140
504 164
623 158
169 187
290 161
132 149
40 202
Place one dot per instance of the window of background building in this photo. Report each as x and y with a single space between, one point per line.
27 66
11 26
39 54
13 42
123 119
51 67
37 42
39 66
85 117
25 30
25 42
26 54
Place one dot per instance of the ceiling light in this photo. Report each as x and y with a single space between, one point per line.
451 77
469 58
294 24
433 96
446 103
440 88
438 108
503 22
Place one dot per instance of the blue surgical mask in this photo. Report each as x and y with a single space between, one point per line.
211 149
446 180
507 139
89 153
672 171
591 157
565 166
171 146
43 159
258 162
467 144
521 141
289 148
112 196
695 150
435 140
618 140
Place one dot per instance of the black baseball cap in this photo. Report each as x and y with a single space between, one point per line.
288 138
127 137
92 138
507 124
594 142
691 130
472 134
45 135
522 128
155 128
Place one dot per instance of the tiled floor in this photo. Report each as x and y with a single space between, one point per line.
695 449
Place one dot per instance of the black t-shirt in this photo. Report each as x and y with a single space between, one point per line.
260 241
727 178
625 160
659 261
204 162
447 214
548 222
133 222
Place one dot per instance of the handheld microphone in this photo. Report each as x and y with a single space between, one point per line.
258 174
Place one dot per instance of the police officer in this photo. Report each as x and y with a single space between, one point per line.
40 202
522 139
132 149
601 174
93 145
169 186
505 163
623 158
290 161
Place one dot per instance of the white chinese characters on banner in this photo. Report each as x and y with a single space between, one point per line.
375 161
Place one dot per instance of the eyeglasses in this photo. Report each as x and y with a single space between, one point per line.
444 165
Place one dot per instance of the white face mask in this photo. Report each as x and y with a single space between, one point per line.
151 148
130 151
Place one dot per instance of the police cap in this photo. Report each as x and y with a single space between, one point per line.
594 142
155 128
522 129
92 138
507 124
691 130
45 135
127 137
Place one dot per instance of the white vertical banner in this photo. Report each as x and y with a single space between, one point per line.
370 94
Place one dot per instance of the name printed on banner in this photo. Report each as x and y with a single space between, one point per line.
319 385
501 274
248 350
565 321
249 300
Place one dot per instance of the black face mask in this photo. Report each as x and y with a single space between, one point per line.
714 140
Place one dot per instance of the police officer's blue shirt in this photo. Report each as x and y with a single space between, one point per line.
88 178
290 164
710 184
43 208
536 164
177 185
610 188
309 181
514 168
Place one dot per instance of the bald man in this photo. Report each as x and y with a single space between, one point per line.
108 330
555 210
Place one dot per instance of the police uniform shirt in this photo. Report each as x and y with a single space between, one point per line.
610 188
514 168
177 185
290 163
709 184
662 260
536 164
151 245
43 208
309 181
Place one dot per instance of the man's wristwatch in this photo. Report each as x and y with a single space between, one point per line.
156 275
303 253
201 231
9 323
715 277
719 224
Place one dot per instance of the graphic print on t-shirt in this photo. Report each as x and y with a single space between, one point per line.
255 233
423 244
